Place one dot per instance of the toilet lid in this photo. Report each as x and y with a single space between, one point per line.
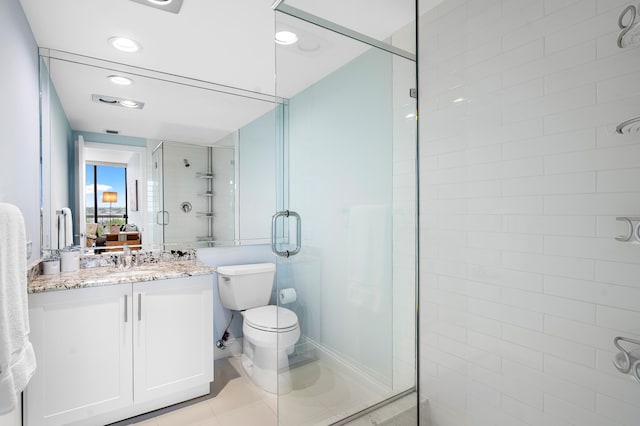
271 318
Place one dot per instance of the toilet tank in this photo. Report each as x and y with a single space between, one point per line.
245 286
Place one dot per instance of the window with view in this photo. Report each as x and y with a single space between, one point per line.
106 194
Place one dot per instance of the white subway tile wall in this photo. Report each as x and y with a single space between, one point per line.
523 286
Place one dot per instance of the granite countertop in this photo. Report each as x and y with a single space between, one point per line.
109 275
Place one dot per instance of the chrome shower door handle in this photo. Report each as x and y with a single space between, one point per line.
165 217
274 219
298 233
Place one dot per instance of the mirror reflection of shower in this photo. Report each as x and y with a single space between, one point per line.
194 194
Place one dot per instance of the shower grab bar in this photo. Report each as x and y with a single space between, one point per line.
274 248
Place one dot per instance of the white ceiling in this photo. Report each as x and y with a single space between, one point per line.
225 42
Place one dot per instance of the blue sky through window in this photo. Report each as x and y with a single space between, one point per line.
110 178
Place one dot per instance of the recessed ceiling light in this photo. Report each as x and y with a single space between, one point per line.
129 104
286 37
160 2
124 44
455 101
120 80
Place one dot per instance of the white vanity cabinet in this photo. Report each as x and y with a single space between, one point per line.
108 353
172 336
83 345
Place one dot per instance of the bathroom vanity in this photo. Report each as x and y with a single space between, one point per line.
111 344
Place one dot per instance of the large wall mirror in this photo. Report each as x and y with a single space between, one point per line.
153 160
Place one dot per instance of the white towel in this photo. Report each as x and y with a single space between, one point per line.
65 229
17 360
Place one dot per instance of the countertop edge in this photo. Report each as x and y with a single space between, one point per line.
106 276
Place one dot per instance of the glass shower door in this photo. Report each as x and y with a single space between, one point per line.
346 235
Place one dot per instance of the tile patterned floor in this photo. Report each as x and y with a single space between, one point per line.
320 396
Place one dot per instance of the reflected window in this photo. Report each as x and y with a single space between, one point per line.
106 194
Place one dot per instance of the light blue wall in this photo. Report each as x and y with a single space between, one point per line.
257 176
340 139
61 184
340 149
19 109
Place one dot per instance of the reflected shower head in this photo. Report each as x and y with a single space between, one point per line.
186 163
629 126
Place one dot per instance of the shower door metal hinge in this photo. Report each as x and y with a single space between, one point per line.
413 93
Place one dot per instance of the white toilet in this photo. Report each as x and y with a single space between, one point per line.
270 332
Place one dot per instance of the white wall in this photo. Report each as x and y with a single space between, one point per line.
19 133
523 286
136 171
182 184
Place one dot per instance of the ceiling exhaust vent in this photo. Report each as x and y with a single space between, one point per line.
119 102
172 6
112 132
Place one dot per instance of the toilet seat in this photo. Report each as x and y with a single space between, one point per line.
271 318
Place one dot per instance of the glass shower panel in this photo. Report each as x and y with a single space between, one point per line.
196 206
349 143
156 202
388 21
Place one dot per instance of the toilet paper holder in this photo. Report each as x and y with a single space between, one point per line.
627 361
287 295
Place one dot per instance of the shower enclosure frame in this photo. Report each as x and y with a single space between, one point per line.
283 234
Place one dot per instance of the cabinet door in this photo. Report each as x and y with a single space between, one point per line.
83 345
173 336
